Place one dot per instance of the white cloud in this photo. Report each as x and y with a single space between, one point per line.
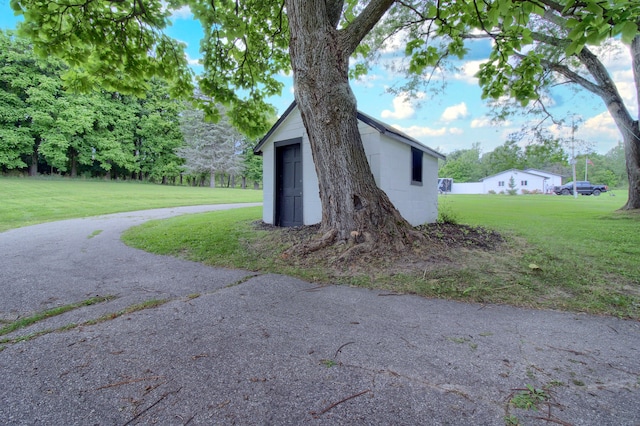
424 131
194 61
367 80
421 131
183 13
468 71
395 43
599 127
478 123
481 122
455 112
403 106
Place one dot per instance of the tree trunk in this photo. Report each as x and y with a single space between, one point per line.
628 127
632 136
256 185
212 179
74 164
353 207
244 182
632 156
33 167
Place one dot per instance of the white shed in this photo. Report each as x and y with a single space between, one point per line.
403 167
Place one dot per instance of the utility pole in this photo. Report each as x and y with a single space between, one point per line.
573 158
586 166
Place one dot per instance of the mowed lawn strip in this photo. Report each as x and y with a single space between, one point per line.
27 201
561 253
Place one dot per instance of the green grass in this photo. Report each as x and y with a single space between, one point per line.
589 230
585 253
59 310
27 201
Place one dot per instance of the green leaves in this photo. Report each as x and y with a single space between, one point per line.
103 40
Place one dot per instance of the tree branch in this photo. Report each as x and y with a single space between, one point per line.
573 76
334 11
353 34
635 65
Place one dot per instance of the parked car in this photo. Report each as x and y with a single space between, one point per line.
583 187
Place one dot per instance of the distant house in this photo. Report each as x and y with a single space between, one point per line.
529 180
514 179
403 167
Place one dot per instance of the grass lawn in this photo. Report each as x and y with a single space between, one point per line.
26 201
561 253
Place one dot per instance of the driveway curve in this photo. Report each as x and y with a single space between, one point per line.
237 347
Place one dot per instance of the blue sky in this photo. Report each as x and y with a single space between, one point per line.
450 119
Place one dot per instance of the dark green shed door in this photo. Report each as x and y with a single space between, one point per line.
289 185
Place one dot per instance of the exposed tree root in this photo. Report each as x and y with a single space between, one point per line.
308 247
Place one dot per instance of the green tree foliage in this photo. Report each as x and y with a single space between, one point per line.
463 165
547 154
157 133
251 165
96 132
29 92
504 157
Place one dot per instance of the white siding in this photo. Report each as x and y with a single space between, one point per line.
522 180
417 203
467 188
552 178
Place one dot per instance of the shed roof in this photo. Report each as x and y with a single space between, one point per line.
381 127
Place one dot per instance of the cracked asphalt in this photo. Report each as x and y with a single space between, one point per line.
237 347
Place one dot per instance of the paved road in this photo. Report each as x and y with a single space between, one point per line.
270 349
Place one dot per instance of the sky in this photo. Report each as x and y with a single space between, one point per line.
450 119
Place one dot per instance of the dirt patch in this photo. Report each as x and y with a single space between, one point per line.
442 247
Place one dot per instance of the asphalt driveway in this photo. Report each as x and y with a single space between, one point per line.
236 347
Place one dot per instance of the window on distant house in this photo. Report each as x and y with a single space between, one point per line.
523 183
416 166
501 183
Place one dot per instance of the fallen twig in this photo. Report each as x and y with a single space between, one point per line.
151 406
340 402
340 348
552 420
126 382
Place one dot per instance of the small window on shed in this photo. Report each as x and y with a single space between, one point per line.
416 166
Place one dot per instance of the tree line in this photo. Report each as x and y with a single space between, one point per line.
471 165
47 129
